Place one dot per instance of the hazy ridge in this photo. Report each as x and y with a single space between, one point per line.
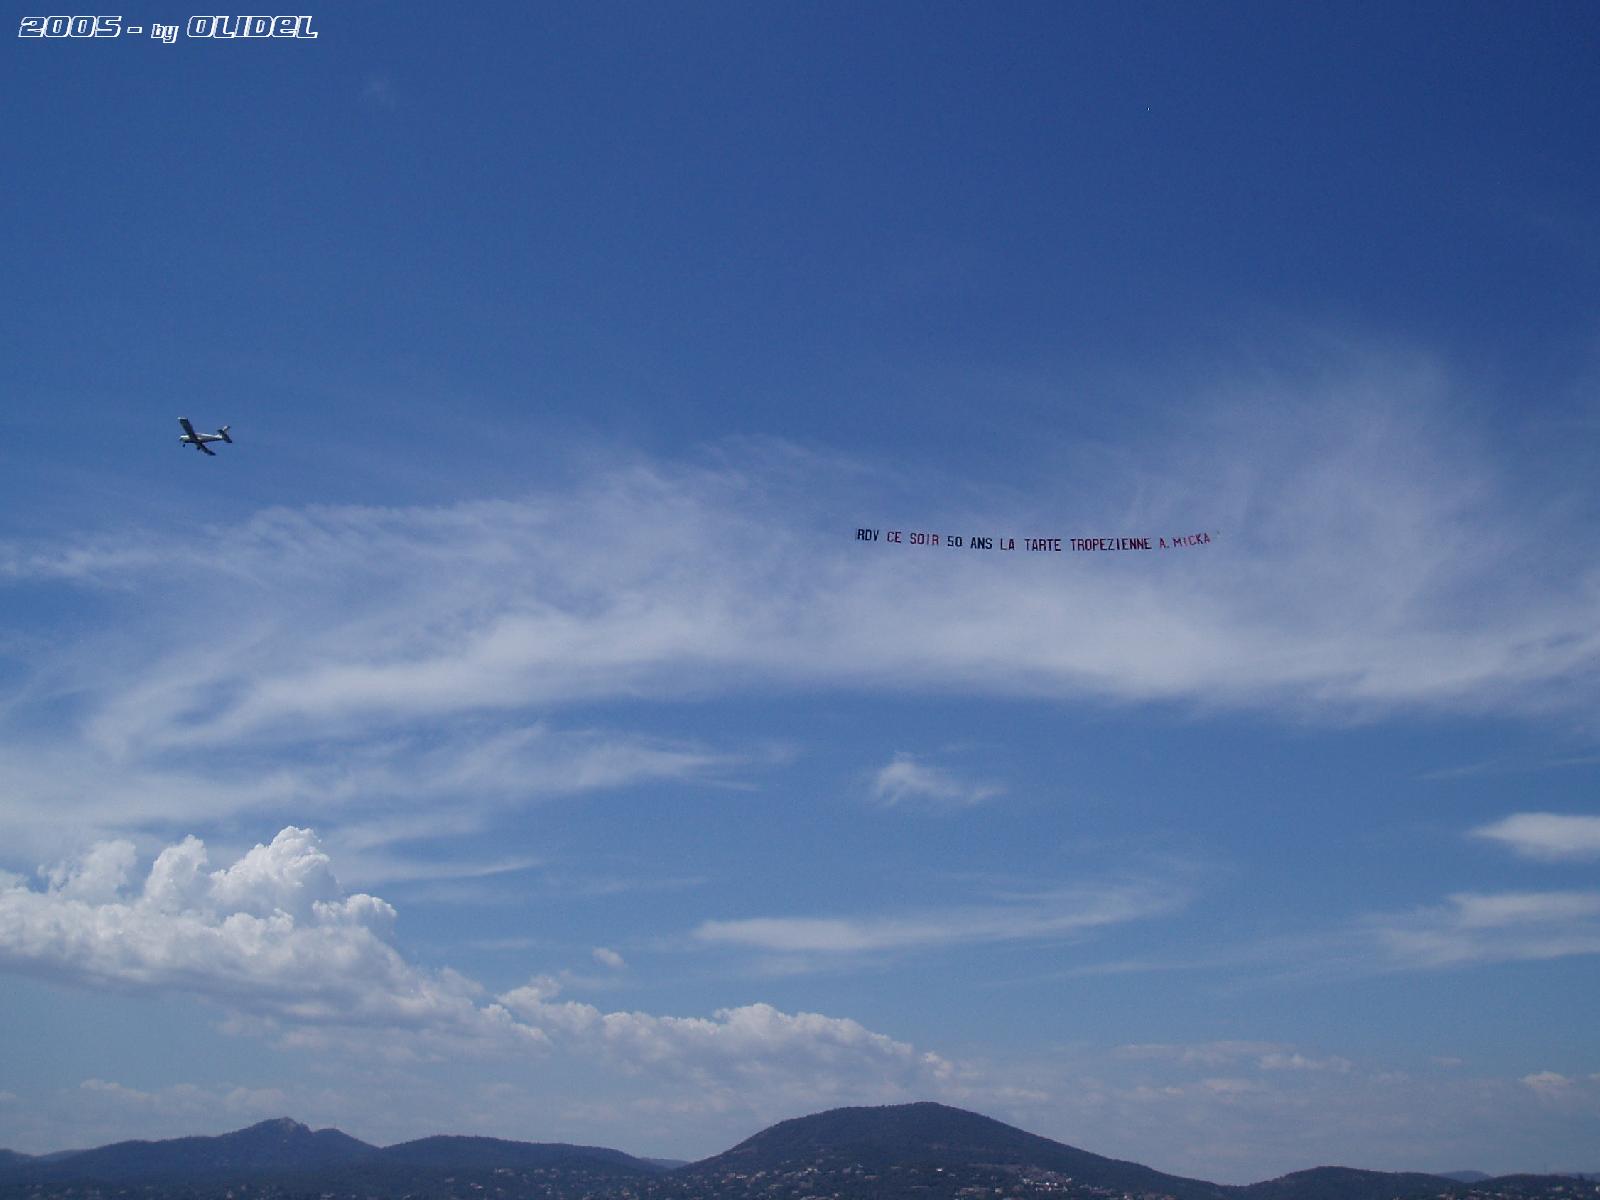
919 1151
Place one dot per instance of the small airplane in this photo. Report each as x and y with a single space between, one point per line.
199 440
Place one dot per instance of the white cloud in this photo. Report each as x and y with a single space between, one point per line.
905 779
1279 1061
387 659
271 935
1474 927
1572 1093
1477 910
1549 836
1548 1083
607 957
1065 912
390 789
749 1043
96 876
1371 557
1267 1056
274 939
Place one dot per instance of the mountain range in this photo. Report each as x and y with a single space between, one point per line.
919 1151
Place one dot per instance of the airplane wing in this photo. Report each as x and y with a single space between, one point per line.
205 449
187 428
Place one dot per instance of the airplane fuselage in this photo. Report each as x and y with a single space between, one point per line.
192 437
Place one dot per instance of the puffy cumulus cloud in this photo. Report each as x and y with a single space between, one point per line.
1549 836
274 938
271 934
750 1044
608 957
290 875
96 876
903 779
1474 927
1548 1083
1573 1094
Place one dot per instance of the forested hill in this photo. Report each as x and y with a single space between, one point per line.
936 1135
902 1152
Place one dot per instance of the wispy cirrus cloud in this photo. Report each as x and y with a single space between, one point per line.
374 796
401 676
1372 557
1060 913
905 780
1480 927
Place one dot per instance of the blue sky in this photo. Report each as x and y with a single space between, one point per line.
510 726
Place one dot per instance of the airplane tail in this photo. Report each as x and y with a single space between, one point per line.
224 432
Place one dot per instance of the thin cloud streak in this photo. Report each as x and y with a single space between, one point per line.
1550 837
1065 913
1479 927
379 794
905 780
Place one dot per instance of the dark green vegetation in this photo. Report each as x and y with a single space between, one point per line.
932 1135
904 1152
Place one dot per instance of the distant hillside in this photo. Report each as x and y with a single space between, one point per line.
1540 1185
282 1148
481 1153
1465 1176
280 1145
928 1134
902 1152
1344 1183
